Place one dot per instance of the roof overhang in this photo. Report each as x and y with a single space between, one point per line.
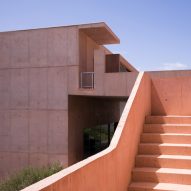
100 33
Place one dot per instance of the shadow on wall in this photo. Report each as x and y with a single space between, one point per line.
171 92
156 103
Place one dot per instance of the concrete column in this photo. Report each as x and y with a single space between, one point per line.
99 69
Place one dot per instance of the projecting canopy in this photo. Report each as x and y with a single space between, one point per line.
100 33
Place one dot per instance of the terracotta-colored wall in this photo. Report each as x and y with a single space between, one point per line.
35 67
171 92
111 168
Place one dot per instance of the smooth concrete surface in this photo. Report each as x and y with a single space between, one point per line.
34 70
32 137
39 69
163 157
163 175
39 48
166 137
171 92
86 52
167 128
147 186
107 84
169 119
165 161
40 72
99 67
100 33
111 168
119 84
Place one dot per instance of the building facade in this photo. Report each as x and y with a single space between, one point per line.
54 83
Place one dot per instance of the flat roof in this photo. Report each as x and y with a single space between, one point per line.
100 33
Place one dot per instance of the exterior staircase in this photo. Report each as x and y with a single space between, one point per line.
164 155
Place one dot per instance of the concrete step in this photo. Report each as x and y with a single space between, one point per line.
167 128
165 161
149 186
165 138
165 175
170 119
164 148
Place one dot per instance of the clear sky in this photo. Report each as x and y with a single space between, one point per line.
154 34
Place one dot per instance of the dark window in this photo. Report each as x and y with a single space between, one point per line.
98 138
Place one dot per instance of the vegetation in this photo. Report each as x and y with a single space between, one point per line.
28 176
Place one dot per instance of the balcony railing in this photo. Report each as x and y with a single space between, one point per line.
87 80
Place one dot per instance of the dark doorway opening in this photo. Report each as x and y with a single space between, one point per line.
88 116
98 138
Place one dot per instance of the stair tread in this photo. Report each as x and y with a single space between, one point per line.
168 165
168 124
177 116
168 119
161 186
167 156
163 170
168 144
172 134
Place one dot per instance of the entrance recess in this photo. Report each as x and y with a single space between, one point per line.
98 138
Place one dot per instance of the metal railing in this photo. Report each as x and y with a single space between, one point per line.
87 80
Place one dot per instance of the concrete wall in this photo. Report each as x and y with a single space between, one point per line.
86 52
35 67
107 84
111 168
87 112
38 70
171 92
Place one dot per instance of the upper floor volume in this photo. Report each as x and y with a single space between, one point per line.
78 47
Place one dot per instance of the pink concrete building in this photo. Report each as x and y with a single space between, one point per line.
59 84
55 82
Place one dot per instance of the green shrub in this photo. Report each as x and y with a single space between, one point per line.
28 176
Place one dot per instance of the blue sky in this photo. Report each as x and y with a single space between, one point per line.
154 34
